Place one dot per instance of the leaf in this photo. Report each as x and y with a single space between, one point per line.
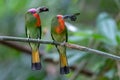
75 57
110 74
81 35
106 26
118 37
100 37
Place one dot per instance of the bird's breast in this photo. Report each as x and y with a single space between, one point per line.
59 29
38 22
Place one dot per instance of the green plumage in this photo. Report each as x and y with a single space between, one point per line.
60 37
32 31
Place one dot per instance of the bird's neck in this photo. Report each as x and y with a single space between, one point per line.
61 26
38 22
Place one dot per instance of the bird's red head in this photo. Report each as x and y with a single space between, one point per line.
61 24
59 17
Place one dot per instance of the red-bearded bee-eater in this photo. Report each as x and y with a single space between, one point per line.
59 34
33 30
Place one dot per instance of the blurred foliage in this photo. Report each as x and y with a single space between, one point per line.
97 26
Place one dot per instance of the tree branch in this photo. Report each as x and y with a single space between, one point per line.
78 70
16 46
72 46
27 50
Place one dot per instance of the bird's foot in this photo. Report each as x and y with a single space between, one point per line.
63 43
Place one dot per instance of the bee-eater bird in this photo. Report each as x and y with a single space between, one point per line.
33 30
59 34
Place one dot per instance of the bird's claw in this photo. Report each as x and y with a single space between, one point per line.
63 43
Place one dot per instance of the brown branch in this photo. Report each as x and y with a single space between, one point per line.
16 46
28 51
78 70
73 46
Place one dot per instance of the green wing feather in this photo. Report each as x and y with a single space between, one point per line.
58 37
32 31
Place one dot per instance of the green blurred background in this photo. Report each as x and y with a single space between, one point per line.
97 26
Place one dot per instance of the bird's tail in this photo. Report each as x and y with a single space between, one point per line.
64 68
36 64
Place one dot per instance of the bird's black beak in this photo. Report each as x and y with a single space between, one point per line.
66 16
71 17
76 14
42 9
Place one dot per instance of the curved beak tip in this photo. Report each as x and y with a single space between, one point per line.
43 9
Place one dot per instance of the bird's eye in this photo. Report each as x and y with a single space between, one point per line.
33 12
57 17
